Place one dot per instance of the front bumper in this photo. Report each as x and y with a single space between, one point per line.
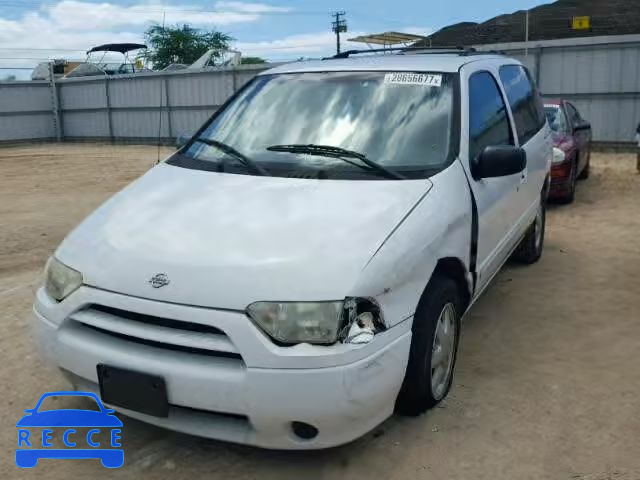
250 396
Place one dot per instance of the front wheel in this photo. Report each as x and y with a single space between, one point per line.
530 249
434 344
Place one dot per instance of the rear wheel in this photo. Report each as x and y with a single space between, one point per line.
530 249
434 344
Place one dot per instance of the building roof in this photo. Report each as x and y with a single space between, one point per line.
436 62
551 21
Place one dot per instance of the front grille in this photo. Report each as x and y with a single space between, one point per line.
164 346
157 332
158 321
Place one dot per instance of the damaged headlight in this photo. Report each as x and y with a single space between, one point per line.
298 322
59 280
364 320
354 320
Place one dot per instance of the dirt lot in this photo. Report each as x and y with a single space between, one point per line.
548 376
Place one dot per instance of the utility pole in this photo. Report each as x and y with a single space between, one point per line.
338 25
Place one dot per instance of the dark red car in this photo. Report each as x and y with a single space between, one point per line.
571 148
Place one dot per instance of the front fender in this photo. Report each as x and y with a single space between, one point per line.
438 227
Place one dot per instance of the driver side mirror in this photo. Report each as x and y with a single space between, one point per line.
182 140
498 161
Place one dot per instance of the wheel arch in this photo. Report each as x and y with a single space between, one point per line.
455 269
416 393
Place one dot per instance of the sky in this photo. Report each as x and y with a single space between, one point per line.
32 31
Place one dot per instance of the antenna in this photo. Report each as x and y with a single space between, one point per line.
162 94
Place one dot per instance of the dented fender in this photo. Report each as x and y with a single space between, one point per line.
435 228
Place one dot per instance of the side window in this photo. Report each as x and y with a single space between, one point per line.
524 100
488 120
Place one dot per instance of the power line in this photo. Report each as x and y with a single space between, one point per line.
30 49
25 58
299 48
247 48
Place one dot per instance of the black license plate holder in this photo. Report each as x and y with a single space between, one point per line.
136 391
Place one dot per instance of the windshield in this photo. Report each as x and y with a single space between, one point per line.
402 121
556 118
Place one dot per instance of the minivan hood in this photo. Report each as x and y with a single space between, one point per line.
227 240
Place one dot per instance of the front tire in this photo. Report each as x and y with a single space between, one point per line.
530 249
434 345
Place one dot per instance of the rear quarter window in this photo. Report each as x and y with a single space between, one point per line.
524 100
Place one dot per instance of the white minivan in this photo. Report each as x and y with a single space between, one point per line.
297 271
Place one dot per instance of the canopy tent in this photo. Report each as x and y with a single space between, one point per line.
389 39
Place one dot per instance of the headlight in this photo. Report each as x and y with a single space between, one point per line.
60 280
298 322
558 155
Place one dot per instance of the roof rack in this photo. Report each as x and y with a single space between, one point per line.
426 50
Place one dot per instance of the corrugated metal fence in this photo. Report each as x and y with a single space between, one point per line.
134 108
26 111
600 75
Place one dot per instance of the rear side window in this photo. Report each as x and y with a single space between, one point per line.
488 120
524 101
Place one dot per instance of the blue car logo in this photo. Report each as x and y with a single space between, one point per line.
29 440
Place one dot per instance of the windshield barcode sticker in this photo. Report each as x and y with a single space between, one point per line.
424 79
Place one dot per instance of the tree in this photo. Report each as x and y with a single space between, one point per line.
182 44
252 60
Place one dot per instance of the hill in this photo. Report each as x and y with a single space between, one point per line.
550 21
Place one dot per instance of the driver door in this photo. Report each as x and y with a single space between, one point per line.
489 123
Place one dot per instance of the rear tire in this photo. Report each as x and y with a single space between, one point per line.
530 249
434 345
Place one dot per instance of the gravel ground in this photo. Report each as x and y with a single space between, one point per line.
548 375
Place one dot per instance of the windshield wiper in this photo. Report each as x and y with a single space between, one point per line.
228 149
336 152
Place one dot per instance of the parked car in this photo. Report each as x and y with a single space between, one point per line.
298 269
571 148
